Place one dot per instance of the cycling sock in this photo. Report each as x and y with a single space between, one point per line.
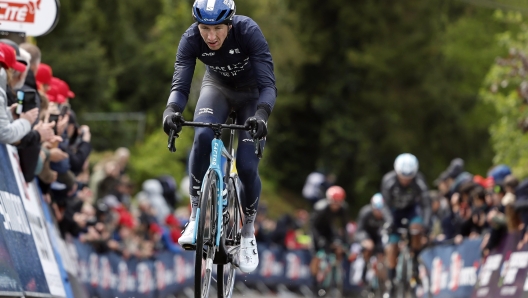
248 230
194 206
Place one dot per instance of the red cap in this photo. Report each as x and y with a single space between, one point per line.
62 87
44 74
155 228
484 182
172 221
8 58
54 94
126 219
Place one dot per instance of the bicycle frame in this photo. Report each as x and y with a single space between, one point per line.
217 151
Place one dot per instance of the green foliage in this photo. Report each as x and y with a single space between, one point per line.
152 158
506 89
358 83
384 78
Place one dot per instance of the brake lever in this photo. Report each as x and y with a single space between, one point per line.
258 148
172 138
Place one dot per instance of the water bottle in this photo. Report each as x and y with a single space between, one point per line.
20 97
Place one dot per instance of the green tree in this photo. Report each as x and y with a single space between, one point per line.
506 90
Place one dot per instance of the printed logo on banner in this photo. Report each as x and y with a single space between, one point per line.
270 267
295 269
145 280
122 269
33 17
106 273
182 269
452 277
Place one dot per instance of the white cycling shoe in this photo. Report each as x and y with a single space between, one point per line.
248 258
186 240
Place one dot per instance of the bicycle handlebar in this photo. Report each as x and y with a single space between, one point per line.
173 135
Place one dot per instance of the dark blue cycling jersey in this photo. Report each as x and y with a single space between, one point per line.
243 61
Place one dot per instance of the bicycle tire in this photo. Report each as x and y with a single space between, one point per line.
226 273
401 288
205 246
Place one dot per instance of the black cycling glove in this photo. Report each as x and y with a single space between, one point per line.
172 119
259 124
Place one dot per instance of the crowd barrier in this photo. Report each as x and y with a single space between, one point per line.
36 262
456 271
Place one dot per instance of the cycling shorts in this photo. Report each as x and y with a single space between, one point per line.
411 214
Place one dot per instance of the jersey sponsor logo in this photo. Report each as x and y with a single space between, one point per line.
205 111
234 51
230 70
247 140
208 54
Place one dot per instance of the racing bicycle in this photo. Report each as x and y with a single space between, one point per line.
219 217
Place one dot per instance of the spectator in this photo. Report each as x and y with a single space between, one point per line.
12 131
153 191
78 147
316 185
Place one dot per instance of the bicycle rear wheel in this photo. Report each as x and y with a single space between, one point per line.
205 238
230 240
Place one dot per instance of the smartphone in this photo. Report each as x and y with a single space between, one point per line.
54 117
64 109
30 101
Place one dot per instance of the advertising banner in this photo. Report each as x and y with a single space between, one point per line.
504 273
450 270
33 17
37 223
15 227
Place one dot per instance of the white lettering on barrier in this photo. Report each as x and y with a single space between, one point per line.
520 259
106 274
13 211
484 277
468 276
493 262
436 272
510 275
123 276
94 269
508 291
160 275
295 269
482 292
456 266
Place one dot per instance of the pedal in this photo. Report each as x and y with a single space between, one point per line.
189 246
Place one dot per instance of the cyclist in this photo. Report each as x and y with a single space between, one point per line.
370 222
407 197
328 223
239 77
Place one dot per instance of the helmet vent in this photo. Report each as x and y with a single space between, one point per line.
221 15
199 14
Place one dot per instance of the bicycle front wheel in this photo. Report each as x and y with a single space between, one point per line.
230 240
205 238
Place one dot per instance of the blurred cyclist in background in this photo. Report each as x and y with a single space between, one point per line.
328 223
370 222
407 197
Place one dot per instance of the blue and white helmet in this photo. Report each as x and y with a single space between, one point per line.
377 201
406 165
213 12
